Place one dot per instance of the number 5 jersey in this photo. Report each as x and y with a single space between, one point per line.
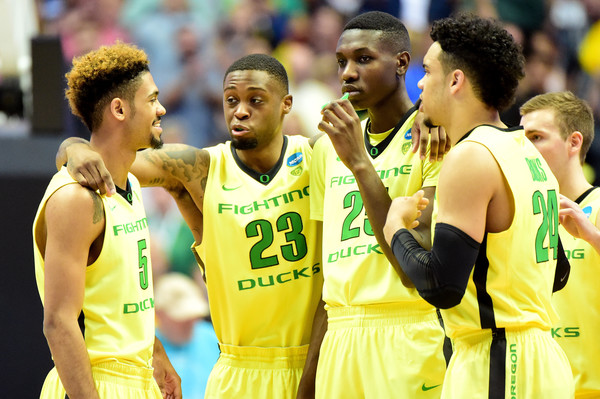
118 306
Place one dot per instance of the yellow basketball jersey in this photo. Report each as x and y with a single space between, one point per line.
356 272
260 250
578 304
118 305
511 283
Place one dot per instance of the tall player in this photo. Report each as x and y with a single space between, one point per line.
390 338
561 126
91 251
493 265
247 204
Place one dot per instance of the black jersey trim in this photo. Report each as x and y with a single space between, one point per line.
502 129
447 347
375 150
497 385
263 178
580 199
484 300
81 323
127 193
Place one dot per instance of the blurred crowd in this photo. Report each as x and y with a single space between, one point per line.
191 43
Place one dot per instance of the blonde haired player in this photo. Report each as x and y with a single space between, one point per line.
561 126
92 252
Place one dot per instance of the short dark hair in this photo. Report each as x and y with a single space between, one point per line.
487 54
395 34
261 62
101 75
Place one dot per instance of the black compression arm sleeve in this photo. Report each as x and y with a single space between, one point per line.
440 276
563 269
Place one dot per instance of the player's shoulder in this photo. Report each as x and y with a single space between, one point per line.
297 139
469 160
74 196
71 203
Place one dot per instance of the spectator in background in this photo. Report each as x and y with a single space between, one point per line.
83 26
87 25
184 328
542 74
313 82
325 29
590 62
179 53
230 29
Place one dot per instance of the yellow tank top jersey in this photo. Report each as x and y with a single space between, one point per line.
118 305
356 272
511 283
260 250
577 304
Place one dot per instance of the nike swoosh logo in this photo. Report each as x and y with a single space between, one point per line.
230 188
426 388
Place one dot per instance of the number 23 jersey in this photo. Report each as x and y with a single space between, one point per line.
260 250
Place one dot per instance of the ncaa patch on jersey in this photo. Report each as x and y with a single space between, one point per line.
587 211
294 159
408 134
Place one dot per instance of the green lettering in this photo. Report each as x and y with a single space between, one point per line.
374 248
280 279
246 284
262 284
316 269
131 308
298 273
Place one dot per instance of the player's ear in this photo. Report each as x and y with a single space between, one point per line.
457 80
575 141
286 103
117 108
402 62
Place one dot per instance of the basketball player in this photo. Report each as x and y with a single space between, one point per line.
561 126
91 251
493 264
390 338
247 204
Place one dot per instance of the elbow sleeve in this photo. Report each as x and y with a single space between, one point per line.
440 276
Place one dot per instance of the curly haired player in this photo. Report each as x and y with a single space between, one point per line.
496 255
91 251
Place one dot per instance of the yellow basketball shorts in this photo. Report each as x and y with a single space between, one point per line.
523 364
113 380
252 372
381 351
583 351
